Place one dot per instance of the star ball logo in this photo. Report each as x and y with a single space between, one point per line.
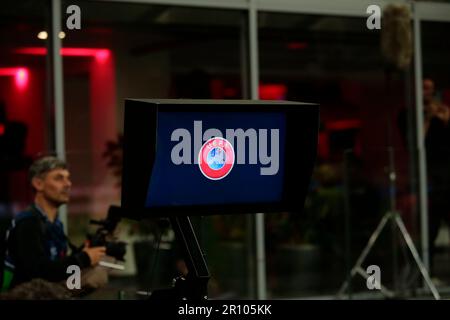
216 158
216 152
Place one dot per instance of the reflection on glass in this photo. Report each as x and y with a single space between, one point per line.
148 51
24 112
337 62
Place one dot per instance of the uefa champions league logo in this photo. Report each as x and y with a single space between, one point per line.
222 150
216 158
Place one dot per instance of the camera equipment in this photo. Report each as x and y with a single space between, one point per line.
104 235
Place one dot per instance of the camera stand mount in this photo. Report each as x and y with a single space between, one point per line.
193 286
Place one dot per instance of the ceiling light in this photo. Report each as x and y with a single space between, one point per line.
42 35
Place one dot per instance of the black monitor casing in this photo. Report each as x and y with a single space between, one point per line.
140 130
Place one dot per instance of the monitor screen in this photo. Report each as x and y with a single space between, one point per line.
246 165
188 157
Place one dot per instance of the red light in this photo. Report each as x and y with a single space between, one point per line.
272 91
102 55
21 78
32 51
2 129
8 71
20 75
230 92
80 52
297 45
345 124
99 54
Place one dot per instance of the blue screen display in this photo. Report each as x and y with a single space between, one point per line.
207 158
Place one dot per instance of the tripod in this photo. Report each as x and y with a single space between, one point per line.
397 222
357 268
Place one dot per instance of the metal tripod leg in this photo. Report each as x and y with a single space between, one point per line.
416 256
357 267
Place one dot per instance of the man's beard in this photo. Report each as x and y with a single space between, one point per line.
58 202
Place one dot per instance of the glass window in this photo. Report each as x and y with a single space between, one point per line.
148 51
337 62
25 113
436 91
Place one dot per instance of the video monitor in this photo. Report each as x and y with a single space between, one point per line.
204 157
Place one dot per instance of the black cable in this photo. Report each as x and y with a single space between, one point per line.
155 260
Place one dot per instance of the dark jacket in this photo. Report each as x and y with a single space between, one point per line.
437 147
37 248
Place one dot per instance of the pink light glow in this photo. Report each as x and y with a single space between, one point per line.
99 53
102 55
20 75
21 78
9 71
32 51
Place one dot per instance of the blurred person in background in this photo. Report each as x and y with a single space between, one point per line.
437 144
36 246
436 117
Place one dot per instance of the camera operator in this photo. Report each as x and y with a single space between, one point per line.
36 243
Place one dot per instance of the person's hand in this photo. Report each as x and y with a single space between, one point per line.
430 109
443 113
95 254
